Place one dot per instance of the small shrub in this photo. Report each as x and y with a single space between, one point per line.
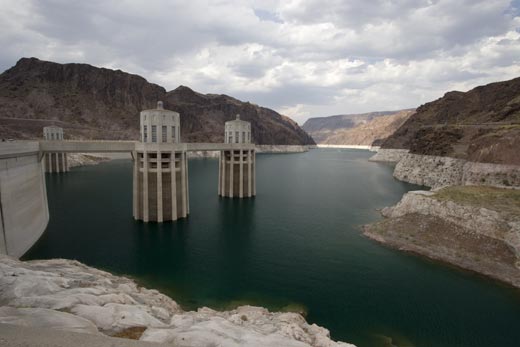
133 333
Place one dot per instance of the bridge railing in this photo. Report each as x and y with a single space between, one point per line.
87 146
129 146
12 149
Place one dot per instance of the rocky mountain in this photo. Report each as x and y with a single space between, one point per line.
373 132
355 129
481 125
98 103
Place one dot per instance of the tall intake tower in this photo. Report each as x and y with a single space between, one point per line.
237 176
55 162
160 168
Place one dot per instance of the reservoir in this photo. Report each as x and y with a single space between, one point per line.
296 246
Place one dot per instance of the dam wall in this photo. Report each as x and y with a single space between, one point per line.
24 212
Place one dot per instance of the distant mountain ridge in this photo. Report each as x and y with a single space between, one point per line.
355 129
481 125
99 103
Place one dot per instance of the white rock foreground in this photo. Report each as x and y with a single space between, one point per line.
67 295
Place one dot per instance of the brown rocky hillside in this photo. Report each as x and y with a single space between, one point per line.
370 133
482 125
97 103
355 129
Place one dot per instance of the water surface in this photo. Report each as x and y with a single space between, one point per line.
296 245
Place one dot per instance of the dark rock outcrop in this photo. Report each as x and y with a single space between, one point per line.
207 114
481 125
99 103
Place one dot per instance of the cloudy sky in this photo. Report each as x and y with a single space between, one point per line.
301 58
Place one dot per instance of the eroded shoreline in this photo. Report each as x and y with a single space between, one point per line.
471 219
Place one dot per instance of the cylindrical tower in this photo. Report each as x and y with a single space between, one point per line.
237 176
160 168
54 162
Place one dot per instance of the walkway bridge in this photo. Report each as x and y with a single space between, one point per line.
130 146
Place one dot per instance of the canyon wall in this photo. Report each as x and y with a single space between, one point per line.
356 129
481 125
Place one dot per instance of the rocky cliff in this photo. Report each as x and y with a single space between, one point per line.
475 228
436 171
67 295
356 129
98 103
481 125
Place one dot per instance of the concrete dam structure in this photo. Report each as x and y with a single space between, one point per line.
237 167
55 162
24 212
160 168
160 181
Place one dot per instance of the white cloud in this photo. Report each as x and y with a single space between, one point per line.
303 58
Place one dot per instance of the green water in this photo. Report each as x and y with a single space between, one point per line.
296 244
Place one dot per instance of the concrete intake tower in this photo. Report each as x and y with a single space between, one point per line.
237 176
160 191
54 162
